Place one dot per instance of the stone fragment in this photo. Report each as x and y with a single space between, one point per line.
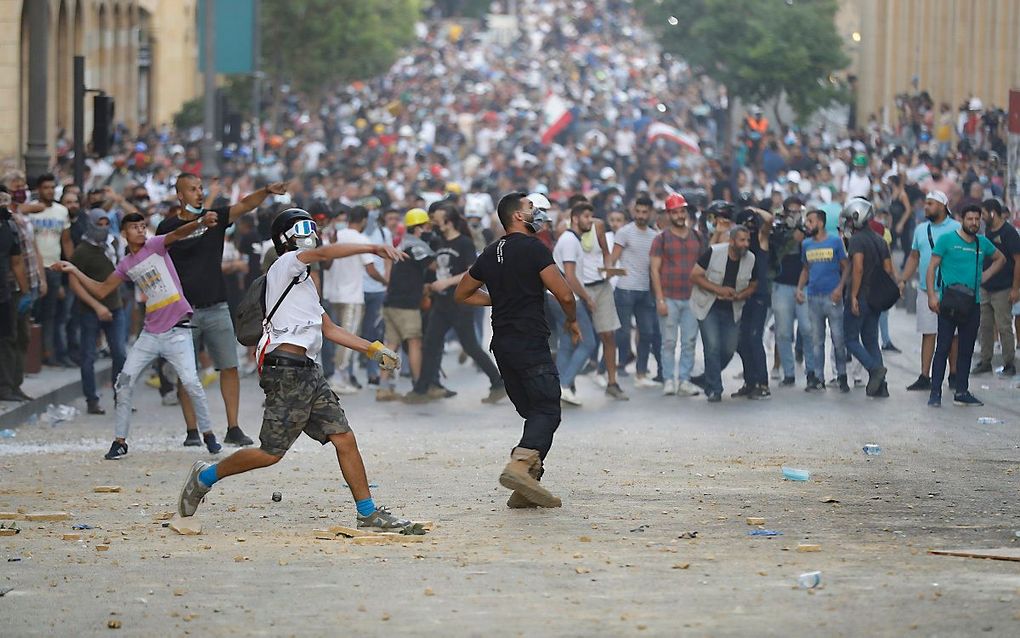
47 516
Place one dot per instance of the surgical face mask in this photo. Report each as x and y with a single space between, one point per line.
539 218
710 227
340 225
192 210
302 233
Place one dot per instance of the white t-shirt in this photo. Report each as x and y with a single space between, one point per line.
635 257
344 282
48 226
855 185
379 235
592 258
568 249
298 320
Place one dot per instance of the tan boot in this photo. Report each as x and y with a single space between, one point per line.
517 501
519 475
386 394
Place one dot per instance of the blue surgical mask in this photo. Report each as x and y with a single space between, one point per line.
192 210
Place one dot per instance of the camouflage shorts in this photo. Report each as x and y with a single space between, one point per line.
298 400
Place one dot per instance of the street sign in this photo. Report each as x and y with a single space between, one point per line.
234 35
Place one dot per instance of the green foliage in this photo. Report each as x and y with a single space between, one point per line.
758 49
237 90
315 44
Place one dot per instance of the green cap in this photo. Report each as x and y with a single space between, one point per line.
860 160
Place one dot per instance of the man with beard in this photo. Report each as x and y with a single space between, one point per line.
750 346
957 257
938 223
724 278
517 270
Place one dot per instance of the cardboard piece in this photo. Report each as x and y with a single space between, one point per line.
106 489
47 516
997 553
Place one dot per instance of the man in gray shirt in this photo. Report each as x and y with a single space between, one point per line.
633 294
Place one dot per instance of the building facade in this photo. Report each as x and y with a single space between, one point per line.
953 49
141 52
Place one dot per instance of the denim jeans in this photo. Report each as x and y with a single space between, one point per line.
861 335
750 345
571 357
637 304
787 310
372 326
174 345
54 328
719 335
883 328
823 310
116 338
680 315
968 333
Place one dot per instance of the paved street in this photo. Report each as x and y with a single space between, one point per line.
634 477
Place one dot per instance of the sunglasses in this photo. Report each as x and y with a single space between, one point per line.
303 228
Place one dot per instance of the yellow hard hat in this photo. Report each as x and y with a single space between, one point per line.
454 187
415 217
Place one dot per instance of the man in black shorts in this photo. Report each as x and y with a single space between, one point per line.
298 397
517 269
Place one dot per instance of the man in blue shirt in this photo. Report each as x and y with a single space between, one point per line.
938 223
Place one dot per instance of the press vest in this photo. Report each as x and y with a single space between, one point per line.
716 273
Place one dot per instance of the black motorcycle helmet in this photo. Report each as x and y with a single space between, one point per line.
282 223
720 208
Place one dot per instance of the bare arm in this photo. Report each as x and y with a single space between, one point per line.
374 274
557 285
65 242
99 290
20 276
208 220
929 276
339 251
469 292
699 279
857 276
655 269
600 235
615 257
747 292
911 266
86 298
1014 294
254 200
574 283
342 337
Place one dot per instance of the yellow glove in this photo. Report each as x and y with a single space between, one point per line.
386 358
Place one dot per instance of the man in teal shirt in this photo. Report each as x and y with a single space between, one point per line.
938 223
958 257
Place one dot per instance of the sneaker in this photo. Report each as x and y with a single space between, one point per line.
889 347
373 382
935 401
236 437
788 382
760 393
687 389
191 439
211 444
1008 371
117 451
343 388
645 382
193 491
859 383
600 380
775 375
967 400
209 376
883 391
569 396
714 397
669 388
353 382
699 380
876 378
94 408
744 392
170 398
844 387
614 390
386 394
814 384
922 383
495 395
416 398
153 381
441 392
383 520
982 368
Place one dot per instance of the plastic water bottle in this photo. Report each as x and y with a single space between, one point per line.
7 433
872 449
809 580
989 420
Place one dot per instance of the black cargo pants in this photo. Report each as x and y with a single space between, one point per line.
532 384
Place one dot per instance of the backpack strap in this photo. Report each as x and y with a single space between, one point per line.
931 242
284 295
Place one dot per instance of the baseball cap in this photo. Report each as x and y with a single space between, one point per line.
674 201
939 197
540 201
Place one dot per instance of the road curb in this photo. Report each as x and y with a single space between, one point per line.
68 393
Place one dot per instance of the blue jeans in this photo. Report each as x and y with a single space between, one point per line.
787 310
639 305
372 326
719 335
883 328
571 357
679 315
823 310
861 335
54 328
750 345
116 337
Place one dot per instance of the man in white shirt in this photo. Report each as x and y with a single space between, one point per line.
858 182
375 289
343 287
49 224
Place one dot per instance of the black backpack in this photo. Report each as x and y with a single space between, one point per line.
251 312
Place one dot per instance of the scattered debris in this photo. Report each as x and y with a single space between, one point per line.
102 548
764 532
641 528
106 489
9 529
692 534
681 565
582 570
186 528
113 623
585 539
277 497
71 537
429 592
5 590
793 474
989 420
829 499
7 433
999 553
809 547
809 580
414 529
755 520
82 526
872 449
57 414
47 516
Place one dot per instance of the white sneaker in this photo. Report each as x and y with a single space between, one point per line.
644 382
687 389
600 380
775 374
343 388
569 396
669 388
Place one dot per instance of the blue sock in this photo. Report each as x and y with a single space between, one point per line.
208 476
365 507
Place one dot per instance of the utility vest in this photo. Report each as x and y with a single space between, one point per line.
702 300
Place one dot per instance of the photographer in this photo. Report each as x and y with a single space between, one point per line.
750 345
785 262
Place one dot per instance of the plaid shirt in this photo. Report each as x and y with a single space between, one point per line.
678 259
26 237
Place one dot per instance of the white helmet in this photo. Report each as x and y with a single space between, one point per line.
857 213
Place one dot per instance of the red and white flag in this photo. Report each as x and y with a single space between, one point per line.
661 130
556 116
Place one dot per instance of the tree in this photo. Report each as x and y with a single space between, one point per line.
313 45
758 49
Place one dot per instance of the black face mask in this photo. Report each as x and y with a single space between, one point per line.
5 213
427 236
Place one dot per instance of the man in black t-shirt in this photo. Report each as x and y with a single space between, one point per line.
1001 291
198 260
455 251
13 306
517 269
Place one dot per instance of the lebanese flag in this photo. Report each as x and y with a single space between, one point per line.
661 130
555 116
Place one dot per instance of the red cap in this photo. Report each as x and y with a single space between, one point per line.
676 200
